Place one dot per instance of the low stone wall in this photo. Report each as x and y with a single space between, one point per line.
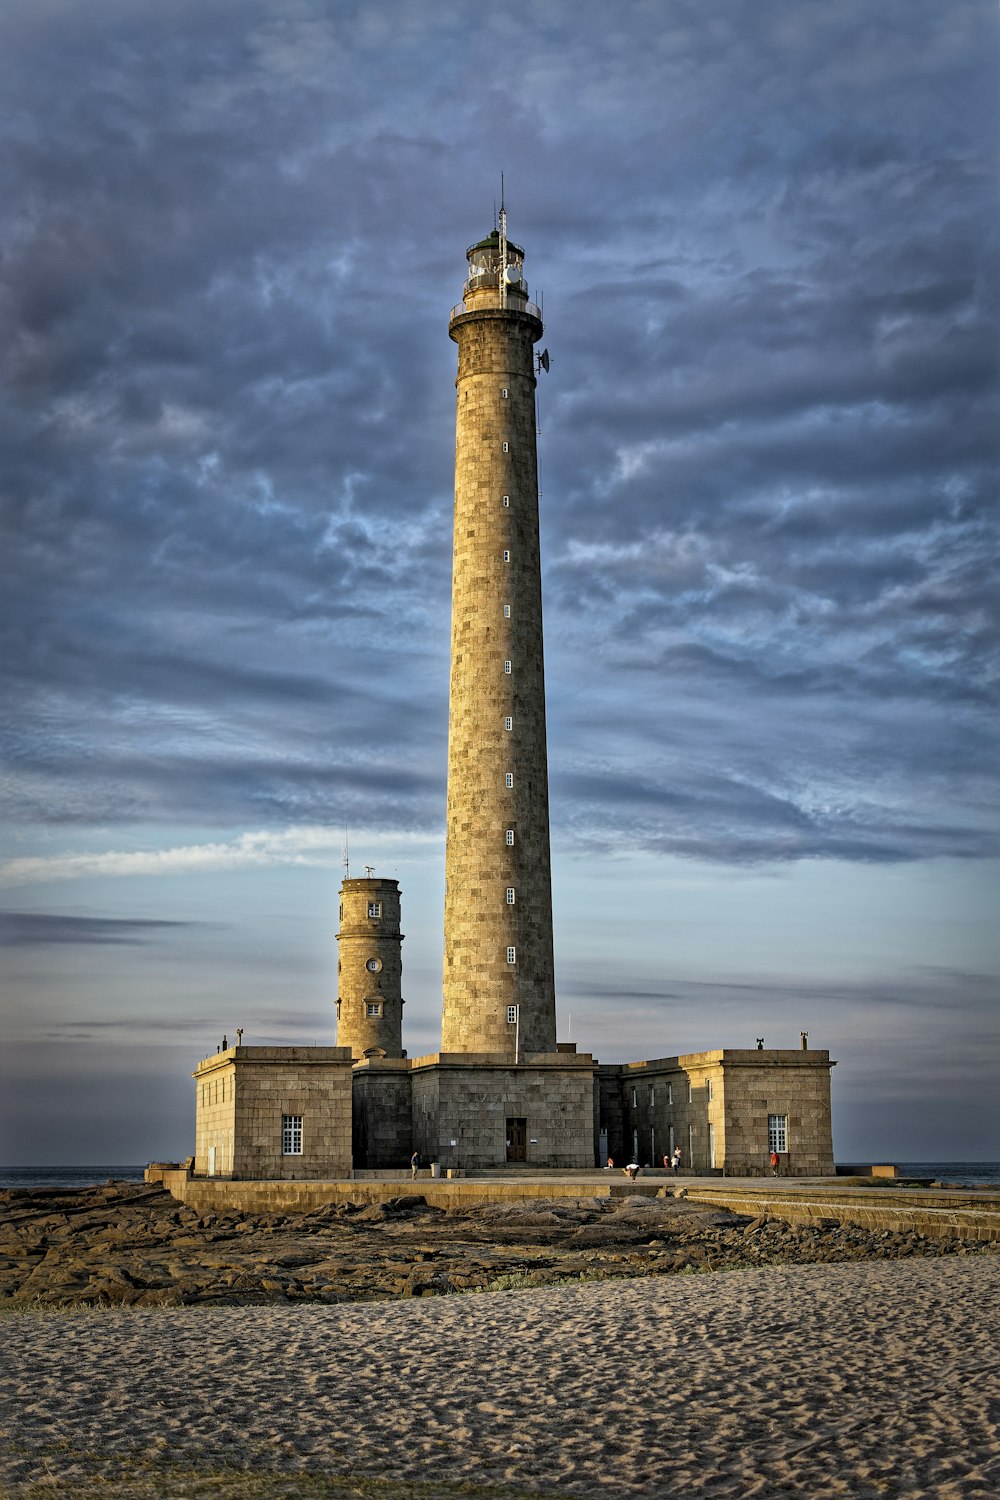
945 1213
937 1215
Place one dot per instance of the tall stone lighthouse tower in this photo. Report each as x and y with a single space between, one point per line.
499 993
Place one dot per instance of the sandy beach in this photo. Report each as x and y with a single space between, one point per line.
870 1379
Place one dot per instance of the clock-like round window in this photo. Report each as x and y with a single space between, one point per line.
373 965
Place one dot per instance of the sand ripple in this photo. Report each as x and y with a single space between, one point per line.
855 1380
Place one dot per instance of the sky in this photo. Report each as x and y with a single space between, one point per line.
764 237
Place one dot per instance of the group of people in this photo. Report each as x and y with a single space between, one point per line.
672 1163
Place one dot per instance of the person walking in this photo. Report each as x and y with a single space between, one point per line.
775 1163
675 1161
414 1164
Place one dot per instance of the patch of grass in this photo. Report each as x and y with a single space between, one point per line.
208 1484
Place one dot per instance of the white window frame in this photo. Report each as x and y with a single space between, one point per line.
506 447
506 611
503 393
512 1015
510 838
508 723
508 668
670 1093
711 1091
506 502
511 896
508 779
777 1134
374 908
512 954
373 1009
506 554
291 1135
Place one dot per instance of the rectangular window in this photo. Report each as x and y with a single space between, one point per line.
709 1087
373 1008
510 895
508 723
506 667
690 1094
506 611
508 780
374 908
506 501
291 1135
777 1133
652 1095
512 1015
670 1093
635 1098
510 837
506 447
506 555
503 392
512 955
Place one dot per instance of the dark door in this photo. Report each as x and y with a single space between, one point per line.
517 1140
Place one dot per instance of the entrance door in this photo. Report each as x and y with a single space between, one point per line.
517 1140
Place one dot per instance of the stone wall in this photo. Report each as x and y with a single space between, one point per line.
246 1091
471 1100
383 1131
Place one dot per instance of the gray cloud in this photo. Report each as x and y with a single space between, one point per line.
20 929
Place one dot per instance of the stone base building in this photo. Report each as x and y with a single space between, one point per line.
274 1112
727 1110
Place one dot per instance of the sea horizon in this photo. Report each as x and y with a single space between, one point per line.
965 1173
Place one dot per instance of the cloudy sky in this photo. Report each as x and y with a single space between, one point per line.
231 232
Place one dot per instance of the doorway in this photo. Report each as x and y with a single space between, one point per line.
517 1140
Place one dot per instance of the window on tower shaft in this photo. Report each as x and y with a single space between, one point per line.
510 838
510 895
506 611
512 955
506 555
503 392
506 501
506 667
508 780
508 723
506 447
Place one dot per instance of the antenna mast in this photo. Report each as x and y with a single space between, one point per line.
503 248
346 860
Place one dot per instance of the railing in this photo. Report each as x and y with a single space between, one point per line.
531 308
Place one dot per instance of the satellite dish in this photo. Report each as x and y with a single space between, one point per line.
511 274
543 361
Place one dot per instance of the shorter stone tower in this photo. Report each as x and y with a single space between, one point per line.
370 969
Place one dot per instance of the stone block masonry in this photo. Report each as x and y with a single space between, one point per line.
499 994
274 1112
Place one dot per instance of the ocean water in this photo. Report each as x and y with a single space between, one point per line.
967 1173
66 1177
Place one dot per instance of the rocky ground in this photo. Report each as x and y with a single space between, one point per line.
127 1244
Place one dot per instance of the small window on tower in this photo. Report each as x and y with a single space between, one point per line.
508 723
506 447
510 838
506 555
503 393
373 1008
510 895
506 501
512 955
506 611
374 908
508 780
506 667
512 1015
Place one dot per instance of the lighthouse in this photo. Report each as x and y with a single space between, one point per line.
499 991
